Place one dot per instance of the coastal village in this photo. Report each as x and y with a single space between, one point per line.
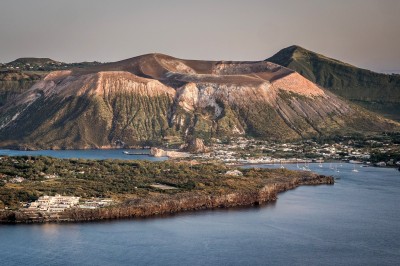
240 151
236 152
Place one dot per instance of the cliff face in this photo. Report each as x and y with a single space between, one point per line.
144 99
374 91
168 204
195 146
193 201
94 110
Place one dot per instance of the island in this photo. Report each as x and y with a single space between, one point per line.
44 189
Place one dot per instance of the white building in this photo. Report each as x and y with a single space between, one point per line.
55 203
234 173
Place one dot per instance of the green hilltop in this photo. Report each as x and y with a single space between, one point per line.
376 92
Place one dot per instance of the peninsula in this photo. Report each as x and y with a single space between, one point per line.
44 189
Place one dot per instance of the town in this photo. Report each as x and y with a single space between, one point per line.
378 151
382 151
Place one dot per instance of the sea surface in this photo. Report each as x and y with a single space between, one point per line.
354 222
88 154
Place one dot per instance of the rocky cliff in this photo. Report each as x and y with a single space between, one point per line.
195 145
147 98
168 204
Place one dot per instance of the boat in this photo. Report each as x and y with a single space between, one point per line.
355 162
306 167
134 153
354 169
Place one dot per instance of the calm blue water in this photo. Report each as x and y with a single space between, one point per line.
87 154
354 222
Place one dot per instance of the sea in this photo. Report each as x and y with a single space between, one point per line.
356 221
144 154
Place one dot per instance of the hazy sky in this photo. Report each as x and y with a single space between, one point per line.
365 33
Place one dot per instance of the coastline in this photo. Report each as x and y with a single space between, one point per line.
169 204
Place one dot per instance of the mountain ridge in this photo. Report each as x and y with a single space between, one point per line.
32 60
148 98
377 92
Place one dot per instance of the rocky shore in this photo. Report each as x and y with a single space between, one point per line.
168 204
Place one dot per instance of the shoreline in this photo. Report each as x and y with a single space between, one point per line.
234 164
170 204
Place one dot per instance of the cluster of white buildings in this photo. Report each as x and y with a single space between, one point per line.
17 179
234 173
234 152
60 203
55 203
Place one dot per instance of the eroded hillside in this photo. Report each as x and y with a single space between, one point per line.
148 98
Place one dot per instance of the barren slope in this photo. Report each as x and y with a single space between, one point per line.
146 98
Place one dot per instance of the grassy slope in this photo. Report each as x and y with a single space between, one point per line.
14 81
374 91
124 180
90 121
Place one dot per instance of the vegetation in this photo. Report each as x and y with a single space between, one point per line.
43 65
374 91
91 109
19 75
122 179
